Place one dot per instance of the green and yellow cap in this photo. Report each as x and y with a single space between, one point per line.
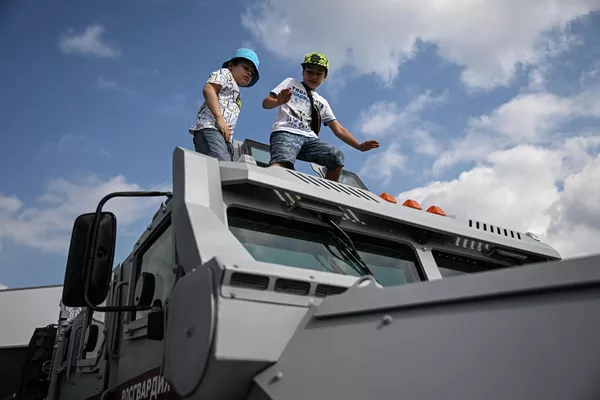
316 58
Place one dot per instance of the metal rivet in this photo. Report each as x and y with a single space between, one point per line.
233 294
387 319
277 377
424 248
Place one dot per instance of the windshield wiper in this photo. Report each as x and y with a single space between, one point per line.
331 268
345 258
348 248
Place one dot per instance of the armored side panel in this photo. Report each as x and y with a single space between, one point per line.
526 333
231 318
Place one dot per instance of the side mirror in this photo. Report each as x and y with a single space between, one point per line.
87 263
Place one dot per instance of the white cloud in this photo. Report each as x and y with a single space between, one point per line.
89 42
403 124
380 119
106 84
380 165
528 118
520 189
10 204
491 39
537 79
424 143
47 226
591 76
578 205
2 287
387 119
553 45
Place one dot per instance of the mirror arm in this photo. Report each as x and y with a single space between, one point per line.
92 245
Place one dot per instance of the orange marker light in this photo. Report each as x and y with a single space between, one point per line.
436 210
388 197
412 204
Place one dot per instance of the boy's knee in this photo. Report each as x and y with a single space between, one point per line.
284 149
336 159
221 155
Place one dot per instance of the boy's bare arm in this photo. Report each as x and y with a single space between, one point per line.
345 136
210 96
272 101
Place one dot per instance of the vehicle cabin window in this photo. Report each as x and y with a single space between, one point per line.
281 241
158 259
451 264
351 179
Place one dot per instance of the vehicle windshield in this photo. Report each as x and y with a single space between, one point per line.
281 241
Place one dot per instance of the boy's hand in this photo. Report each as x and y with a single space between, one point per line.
224 128
368 145
284 96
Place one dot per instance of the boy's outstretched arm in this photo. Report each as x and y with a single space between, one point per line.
345 136
210 96
272 101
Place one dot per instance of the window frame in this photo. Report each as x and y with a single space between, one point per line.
135 328
489 265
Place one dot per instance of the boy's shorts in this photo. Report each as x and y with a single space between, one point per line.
211 142
286 147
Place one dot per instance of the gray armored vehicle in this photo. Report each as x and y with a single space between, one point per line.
255 283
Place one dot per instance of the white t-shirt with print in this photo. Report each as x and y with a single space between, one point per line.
295 116
230 102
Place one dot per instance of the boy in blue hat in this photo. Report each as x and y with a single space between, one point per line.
218 115
295 132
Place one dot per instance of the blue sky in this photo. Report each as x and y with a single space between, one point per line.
489 110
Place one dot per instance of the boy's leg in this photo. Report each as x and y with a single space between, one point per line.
284 148
323 153
212 143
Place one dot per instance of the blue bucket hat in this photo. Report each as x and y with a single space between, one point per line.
249 55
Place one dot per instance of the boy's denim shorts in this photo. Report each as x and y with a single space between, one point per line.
286 147
211 142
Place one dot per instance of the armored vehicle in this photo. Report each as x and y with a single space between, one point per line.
254 283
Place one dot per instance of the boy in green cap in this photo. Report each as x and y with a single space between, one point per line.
218 115
295 132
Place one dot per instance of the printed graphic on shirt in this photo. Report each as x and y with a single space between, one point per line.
230 102
295 116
